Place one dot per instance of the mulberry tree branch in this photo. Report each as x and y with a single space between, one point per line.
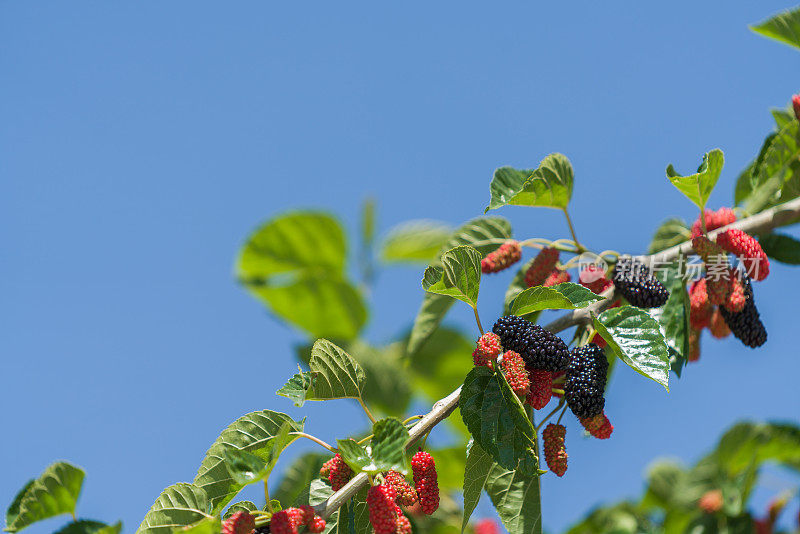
780 215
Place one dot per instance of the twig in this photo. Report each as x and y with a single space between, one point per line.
315 440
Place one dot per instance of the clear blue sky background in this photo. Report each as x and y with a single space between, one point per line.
140 142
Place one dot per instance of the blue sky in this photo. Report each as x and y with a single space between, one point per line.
141 142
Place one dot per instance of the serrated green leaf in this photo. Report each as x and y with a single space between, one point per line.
776 176
746 182
88 526
415 242
672 232
517 499
241 506
53 493
459 275
298 388
781 247
258 433
293 487
565 296
673 317
179 505
697 187
783 27
246 468
207 525
497 421
354 454
388 446
476 471
635 338
336 374
549 185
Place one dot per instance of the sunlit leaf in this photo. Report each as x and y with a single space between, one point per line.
673 317
549 185
783 27
517 498
179 505
415 242
293 487
458 276
476 471
53 493
672 232
565 296
88 526
781 247
336 374
698 186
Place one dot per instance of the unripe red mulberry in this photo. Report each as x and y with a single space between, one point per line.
325 470
307 514
708 250
382 510
598 426
403 525
487 526
556 276
340 473
316 525
514 370
541 388
540 268
748 250
239 523
426 481
796 106
719 284
694 345
594 279
700 308
714 219
504 257
286 521
406 494
487 350
598 340
736 298
718 327
711 501
555 451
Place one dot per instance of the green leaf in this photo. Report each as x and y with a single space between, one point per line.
783 116
298 388
673 317
746 443
293 487
388 385
246 468
179 505
565 296
354 454
672 232
53 493
459 275
497 421
781 247
336 374
88 526
549 185
387 449
476 471
484 234
783 27
517 498
261 433
319 492
207 525
438 367
698 186
635 338
776 176
368 223
417 241
241 506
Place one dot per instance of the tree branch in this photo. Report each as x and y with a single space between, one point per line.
780 215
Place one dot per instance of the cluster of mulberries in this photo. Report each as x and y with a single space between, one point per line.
539 348
542 265
514 370
406 494
598 426
487 350
289 520
239 523
555 451
709 251
586 381
541 388
714 219
639 287
746 324
383 512
337 472
748 250
426 481
504 257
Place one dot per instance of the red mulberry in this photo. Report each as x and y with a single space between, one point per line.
598 426
557 276
325 470
239 523
598 340
403 525
426 481
594 279
694 345
286 521
382 510
515 373
504 257
555 451
307 514
747 249
719 284
487 350
796 105
541 388
635 282
711 501
708 250
714 219
340 473
736 298
487 526
700 308
542 265
718 327
406 494
316 525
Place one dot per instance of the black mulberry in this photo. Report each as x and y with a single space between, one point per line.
638 285
586 381
539 348
746 325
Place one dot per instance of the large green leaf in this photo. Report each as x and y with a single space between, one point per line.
53 493
698 186
299 388
258 433
336 374
746 443
635 338
246 468
88 526
388 386
746 182
497 421
319 492
784 27
566 296
415 242
781 247
387 449
549 185
293 487
476 471
673 317
458 276
517 498
672 232
484 234
179 505
776 174
207 525
241 506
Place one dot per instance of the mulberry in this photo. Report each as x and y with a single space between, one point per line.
340 473
541 388
307 514
286 521
487 350
711 501
746 325
598 426
718 327
382 510
239 523
637 285
540 268
504 257
403 525
714 219
796 106
556 276
406 494
487 526
316 525
748 250
539 348
426 481
325 470
736 299
586 381
594 279
515 373
708 250
700 308
555 452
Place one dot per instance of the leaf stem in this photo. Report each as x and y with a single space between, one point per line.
364 440
558 421
572 231
413 418
551 414
266 496
477 319
315 440
366 410
557 391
